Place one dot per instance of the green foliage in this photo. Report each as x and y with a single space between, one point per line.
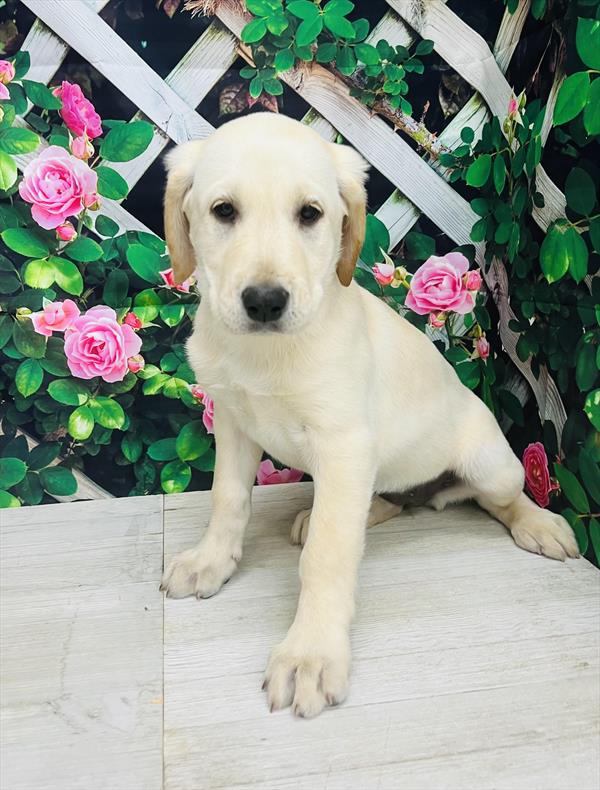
77 419
286 32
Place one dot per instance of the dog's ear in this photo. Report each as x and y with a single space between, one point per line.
352 174
180 163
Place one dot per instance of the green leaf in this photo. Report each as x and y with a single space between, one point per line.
367 53
126 141
284 60
273 87
467 135
30 489
25 242
8 500
345 60
192 441
69 392
479 230
591 111
172 314
27 341
479 171
580 191
115 289
6 329
303 9
254 31
40 95
425 47
67 275
590 473
21 63
145 262
578 528
12 471
563 250
419 246
175 477
18 141
469 373
255 87
131 447
326 52
58 481
338 7
309 29
512 406
43 454
592 408
595 233
277 23
594 528
571 98
586 369
105 226
84 250
499 173
8 171
587 41
377 237
339 26
39 273
571 488
111 184
54 361
81 423
28 377
107 412
153 385
259 7
163 450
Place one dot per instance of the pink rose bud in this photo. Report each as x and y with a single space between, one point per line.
169 280
77 112
4 94
383 273
81 147
197 391
133 321
208 415
66 232
55 317
482 347
473 280
7 72
437 320
136 363
513 107
438 286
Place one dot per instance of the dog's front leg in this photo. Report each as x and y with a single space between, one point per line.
203 569
309 669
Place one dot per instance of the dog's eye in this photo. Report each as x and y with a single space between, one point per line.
224 211
309 214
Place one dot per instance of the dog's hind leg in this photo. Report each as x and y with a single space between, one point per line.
495 477
381 510
451 495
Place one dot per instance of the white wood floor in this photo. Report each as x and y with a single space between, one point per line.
476 664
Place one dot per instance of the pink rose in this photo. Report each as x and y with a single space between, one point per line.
77 112
97 345
513 107
55 317
437 320
136 363
7 72
4 95
58 185
473 280
169 280
383 273
81 147
438 286
267 474
208 415
537 476
66 232
197 391
133 321
482 347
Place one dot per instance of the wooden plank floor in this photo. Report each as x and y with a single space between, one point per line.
476 665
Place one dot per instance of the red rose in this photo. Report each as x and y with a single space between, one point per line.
537 476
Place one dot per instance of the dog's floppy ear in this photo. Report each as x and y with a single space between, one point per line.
180 163
352 174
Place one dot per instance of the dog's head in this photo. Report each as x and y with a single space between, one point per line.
269 216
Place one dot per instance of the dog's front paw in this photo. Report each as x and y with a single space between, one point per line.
199 571
308 674
544 532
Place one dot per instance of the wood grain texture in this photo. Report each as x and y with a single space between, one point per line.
475 663
81 646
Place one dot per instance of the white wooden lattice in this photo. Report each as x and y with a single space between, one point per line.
420 187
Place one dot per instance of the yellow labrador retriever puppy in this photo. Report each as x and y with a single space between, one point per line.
305 364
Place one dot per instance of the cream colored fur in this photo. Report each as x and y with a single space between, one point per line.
347 390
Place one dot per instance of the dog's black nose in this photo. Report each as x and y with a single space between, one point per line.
264 303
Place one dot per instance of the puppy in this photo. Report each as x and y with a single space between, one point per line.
305 364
